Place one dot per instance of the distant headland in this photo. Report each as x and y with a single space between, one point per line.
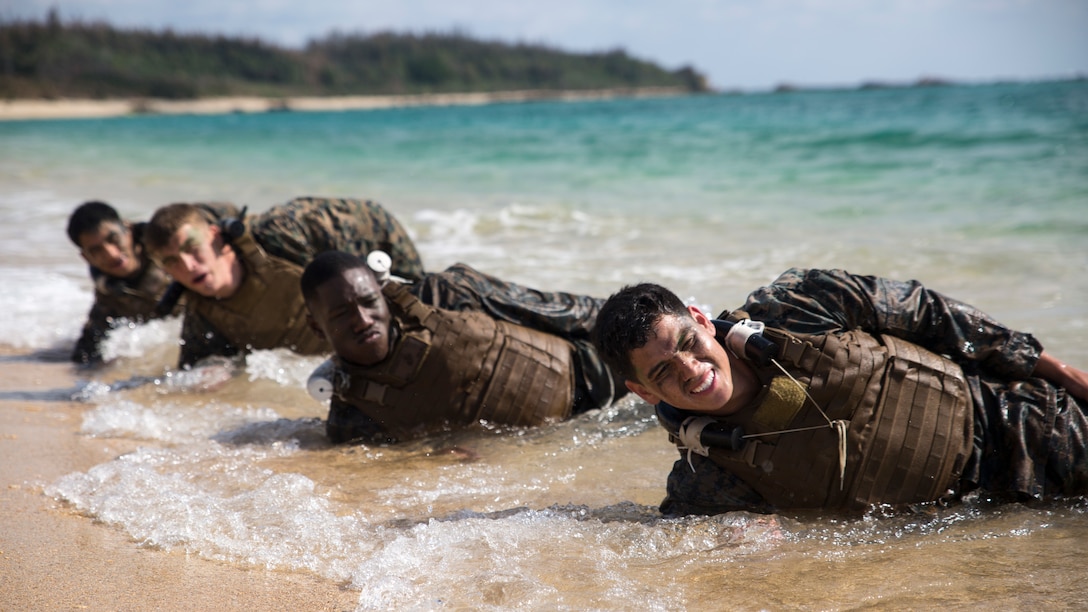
50 69
95 69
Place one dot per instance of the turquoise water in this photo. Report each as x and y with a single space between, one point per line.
979 191
969 188
860 151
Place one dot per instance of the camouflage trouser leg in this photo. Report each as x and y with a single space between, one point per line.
596 385
1031 439
460 287
304 227
567 315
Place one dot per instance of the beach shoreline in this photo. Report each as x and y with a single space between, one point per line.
72 108
52 557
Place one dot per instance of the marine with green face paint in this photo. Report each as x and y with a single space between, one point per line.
241 275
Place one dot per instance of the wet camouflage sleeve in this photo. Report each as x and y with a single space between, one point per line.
304 227
819 301
346 424
707 489
88 348
200 340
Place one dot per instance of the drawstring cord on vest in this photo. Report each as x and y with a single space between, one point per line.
840 426
691 430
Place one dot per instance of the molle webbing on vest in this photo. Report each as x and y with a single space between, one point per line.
533 380
464 367
921 441
909 424
268 310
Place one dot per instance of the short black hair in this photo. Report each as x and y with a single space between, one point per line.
326 266
627 319
88 216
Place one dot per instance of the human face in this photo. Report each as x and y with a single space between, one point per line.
683 365
350 312
198 258
109 248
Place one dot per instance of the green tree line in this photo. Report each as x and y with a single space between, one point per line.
50 59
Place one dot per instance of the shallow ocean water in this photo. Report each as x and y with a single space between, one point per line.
980 192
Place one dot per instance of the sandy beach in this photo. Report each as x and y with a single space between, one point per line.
14 110
53 558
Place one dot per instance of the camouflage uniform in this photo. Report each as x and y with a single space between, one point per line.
1030 436
304 227
566 315
132 299
296 232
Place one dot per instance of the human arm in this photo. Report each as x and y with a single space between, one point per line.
815 301
200 340
1073 380
87 350
704 487
347 424
114 303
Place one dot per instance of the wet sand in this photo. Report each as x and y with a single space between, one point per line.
53 558
11 110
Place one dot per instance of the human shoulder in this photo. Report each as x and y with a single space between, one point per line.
806 300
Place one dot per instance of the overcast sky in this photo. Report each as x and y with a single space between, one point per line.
747 44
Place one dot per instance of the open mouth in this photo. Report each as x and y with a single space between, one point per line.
200 278
707 383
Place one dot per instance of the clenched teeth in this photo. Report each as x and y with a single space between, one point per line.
709 380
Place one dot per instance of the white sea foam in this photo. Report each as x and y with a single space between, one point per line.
281 366
521 559
134 341
168 421
215 501
42 309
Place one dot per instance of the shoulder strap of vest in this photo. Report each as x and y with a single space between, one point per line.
407 304
247 247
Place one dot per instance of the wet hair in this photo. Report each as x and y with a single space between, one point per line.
168 220
88 216
325 267
626 322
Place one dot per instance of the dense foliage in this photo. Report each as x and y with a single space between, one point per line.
51 59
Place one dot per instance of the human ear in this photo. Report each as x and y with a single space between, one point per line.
314 327
701 318
647 396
